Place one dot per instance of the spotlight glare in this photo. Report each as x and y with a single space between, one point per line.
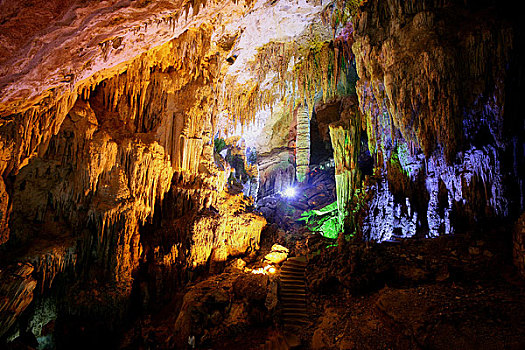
289 192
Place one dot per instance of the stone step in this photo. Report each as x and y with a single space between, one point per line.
301 304
298 258
293 294
293 303
295 313
289 306
293 285
293 300
291 310
294 327
295 262
291 278
294 307
293 290
294 321
292 274
297 273
292 268
295 282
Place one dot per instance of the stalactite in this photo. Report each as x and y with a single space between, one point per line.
424 112
414 108
49 264
299 70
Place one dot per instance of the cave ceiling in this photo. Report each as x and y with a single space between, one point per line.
51 51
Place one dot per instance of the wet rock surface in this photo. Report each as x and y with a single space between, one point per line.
16 293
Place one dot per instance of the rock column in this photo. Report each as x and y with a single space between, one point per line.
345 137
302 144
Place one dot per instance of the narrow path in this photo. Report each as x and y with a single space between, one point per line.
293 305
293 294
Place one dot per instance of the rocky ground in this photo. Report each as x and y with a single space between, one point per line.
451 292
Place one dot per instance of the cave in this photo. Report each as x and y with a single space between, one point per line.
262 174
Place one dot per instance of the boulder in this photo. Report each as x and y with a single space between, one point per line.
277 255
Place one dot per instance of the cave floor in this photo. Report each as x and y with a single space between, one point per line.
451 292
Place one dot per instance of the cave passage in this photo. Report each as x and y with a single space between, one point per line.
254 174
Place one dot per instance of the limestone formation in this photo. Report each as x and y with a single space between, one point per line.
303 144
16 293
145 145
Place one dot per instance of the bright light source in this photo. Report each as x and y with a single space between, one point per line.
268 269
289 192
258 271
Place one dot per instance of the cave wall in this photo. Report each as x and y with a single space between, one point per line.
432 90
85 169
276 152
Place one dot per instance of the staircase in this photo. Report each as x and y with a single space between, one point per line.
293 294
293 304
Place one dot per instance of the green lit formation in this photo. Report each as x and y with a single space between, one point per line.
324 220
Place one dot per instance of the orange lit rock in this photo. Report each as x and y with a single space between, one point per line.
4 213
277 254
16 293
231 232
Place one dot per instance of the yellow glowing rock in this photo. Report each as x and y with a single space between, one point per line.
277 255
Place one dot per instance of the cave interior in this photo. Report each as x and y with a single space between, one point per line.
262 174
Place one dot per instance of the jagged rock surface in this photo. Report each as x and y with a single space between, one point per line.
16 293
92 153
108 113
432 90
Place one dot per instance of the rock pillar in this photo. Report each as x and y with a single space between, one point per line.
302 144
345 138
4 213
